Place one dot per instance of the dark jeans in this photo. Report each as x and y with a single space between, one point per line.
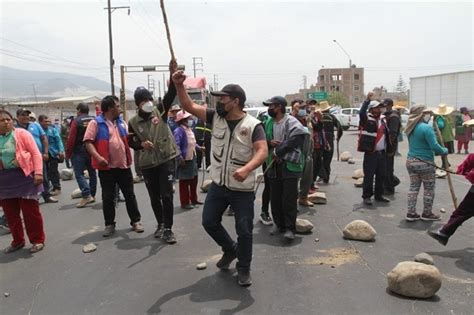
159 183
53 173
266 190
217 200
199 156
46 186
124 178
284 194
80 162
375 164
389 183
464 211
322 164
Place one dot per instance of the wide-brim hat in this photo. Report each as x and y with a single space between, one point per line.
182 115
323 106
443 109
469 123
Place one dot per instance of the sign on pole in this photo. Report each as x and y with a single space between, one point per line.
318 96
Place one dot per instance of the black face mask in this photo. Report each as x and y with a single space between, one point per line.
220 109
272 113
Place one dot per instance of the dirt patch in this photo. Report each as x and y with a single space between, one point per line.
458 280
336 257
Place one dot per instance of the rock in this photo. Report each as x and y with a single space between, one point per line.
303 226
6 294
259 177
440 173
205 185
201 266
358 173
345 156
424 258
89 248
318 198
413 279
442 210
359 182
351 161
66 174
359 230
316 240
76 193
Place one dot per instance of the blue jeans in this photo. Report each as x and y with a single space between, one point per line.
81 162
217 200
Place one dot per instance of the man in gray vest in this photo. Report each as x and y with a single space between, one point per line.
238 148
150 133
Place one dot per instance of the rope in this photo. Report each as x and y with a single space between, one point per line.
436 166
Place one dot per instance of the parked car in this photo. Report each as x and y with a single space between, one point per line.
348 117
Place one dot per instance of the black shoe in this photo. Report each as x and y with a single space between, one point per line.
159 231
389 192
168 236
226 259
289 235
443 240
275 230
50 200
382 199
244 278
368 201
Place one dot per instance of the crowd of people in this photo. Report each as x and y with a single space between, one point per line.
171 142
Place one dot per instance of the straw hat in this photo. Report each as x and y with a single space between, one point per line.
398 106
443 109
323 106
469 123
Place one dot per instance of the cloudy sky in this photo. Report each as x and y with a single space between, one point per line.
266 46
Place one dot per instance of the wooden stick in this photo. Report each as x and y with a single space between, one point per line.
446 164
165 19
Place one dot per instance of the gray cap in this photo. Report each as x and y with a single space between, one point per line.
374 104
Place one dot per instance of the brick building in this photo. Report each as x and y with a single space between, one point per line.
348 81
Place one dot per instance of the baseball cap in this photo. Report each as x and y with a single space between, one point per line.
388 102
23 110
311 101
276 100
374 104
232 90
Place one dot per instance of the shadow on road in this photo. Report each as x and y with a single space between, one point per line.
465 257
435 298
219 286
23 253
416 225
261 235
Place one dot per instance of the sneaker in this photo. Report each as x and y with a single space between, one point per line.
368 201
226 259
243 278
265 218
382 199
109 230
85 201
11 248
159 231
187 207
441 238
410 217
197 203
289 235
36 248
56 192
274 230
138 227
430 217
50 200
168 236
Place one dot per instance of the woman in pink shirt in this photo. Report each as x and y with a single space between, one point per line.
21 178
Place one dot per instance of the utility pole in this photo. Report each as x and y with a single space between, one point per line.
215 82
151 85
34 92
111 50
197 64
305 81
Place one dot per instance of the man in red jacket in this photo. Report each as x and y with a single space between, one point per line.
464 211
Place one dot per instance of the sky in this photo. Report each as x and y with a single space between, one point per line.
265 46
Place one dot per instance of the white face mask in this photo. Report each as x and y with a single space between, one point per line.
426 118
147 107
190 123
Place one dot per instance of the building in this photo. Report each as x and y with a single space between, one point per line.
454 89
348 81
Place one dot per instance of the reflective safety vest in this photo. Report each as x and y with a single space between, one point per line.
368 133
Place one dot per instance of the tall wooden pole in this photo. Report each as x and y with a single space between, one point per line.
165 19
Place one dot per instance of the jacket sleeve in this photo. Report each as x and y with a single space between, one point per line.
178 137
292 143
363 112
467 168
36 158
71 139
393 128
433 143
168 99
60 142
133 141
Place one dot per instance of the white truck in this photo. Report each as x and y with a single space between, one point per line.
348 117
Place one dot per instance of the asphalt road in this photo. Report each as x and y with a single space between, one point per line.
136 274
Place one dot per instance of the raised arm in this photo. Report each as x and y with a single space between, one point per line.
186 103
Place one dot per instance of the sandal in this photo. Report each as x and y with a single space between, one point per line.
13 248
36 248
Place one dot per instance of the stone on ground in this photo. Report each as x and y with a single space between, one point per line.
89 248
318 198
76 193
205 185
359 182
345 156
351 161
303 226
358 173
201 266
441 173
66 174
359 230
424 258
413 279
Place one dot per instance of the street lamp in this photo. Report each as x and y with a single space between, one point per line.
350 61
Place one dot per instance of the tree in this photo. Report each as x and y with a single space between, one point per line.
338 98
401 85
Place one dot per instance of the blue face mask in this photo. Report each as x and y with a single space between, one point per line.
302 112
190 123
